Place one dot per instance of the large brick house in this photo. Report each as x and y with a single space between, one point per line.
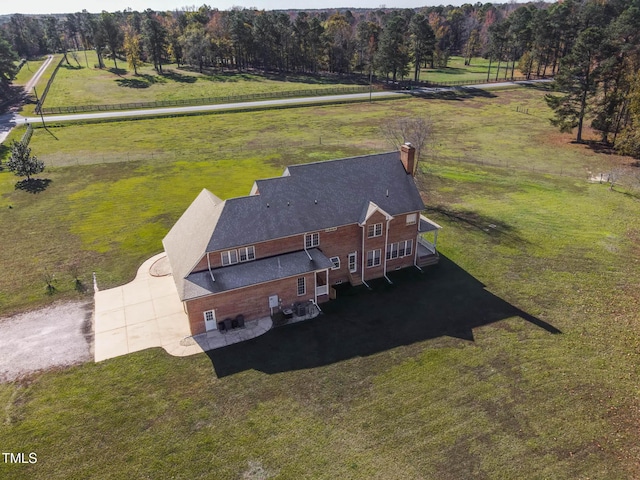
295 236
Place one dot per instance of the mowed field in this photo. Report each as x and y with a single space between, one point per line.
79 84
457 71
516 357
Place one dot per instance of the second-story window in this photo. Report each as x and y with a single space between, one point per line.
229 257
247 253
311 240
374 230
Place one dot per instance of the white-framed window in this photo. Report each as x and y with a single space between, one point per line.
229 257
336 263
412 218
373 258
392 251
399 249
311 240
374 230
247 253
353 262
302 286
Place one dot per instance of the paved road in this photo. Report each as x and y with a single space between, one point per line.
10 120
252 105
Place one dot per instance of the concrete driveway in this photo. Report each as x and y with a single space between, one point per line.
144 313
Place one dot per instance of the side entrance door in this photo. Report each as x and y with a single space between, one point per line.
210 320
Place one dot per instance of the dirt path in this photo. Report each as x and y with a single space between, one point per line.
55 336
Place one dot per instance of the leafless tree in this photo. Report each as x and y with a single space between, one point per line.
419 131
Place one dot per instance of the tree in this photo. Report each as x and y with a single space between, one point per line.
196 45
630 137
393 52
415 130
22 163
423 41
132 49
8 68
578 79
155 38
112 34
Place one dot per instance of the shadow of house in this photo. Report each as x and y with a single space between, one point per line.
445 301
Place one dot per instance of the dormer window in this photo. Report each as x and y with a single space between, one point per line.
374 230
311 240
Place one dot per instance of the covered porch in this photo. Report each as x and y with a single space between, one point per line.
427 240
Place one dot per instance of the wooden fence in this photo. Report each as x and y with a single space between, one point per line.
210 100
43 96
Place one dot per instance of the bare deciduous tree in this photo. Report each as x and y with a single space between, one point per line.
419 131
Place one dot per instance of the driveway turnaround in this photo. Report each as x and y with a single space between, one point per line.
147 313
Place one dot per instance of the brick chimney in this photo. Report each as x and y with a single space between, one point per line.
408 157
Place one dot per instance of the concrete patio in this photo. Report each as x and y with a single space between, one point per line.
147 313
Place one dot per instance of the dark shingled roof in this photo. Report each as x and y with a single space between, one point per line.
307 198
251 273
315 196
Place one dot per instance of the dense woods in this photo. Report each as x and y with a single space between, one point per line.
591 47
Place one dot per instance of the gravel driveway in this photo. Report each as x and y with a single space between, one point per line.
55 336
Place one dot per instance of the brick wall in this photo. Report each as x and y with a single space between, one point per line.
338 243
252 302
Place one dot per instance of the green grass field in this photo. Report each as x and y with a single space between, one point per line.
457 71
508 399
77 84
27 71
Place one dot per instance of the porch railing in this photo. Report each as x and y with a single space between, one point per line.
426 244
322 290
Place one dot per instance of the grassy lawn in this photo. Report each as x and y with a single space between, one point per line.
452 374
457 71
28 109
77 84
28 70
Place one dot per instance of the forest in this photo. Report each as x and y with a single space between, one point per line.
591 48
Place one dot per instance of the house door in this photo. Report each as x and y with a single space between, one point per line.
210 320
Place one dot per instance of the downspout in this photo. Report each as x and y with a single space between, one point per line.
362 265
384 252
415 253
213 279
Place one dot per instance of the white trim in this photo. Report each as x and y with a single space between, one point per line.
374 228
304 285
227 254
386 242
246 251
373 258
399 246
353 255
415 218
335 267
213 319
311 243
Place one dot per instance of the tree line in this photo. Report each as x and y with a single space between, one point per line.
590 46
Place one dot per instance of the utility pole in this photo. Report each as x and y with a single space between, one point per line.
39 107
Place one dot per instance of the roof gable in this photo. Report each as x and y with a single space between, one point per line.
187 240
